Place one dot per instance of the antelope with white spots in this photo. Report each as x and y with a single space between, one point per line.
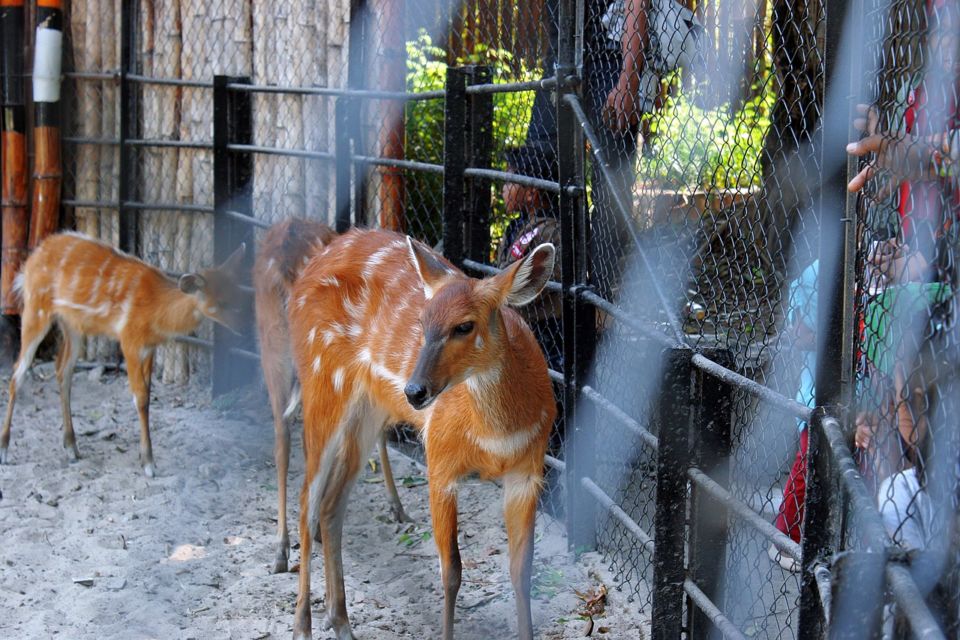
385 330
89 288
283 252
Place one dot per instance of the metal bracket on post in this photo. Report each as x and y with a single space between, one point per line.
479 147
454 164
232 191
709 525
127 175
673 460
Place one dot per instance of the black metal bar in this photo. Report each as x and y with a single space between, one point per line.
454 163
673 460
579 318
778 400
781 541
555 463
343 164
711 612
399 163
132 206
858 594
819 525
620 315
516 178
173 82
232 191
513 87
92 75
624 210
478 151
619 514
355 172
277 151
351 93
89 204
97 141
127 177
176 144
620 416
911 603
707 548
246 219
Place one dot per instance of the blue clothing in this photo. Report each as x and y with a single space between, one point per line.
802 304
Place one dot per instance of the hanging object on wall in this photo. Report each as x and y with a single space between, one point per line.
47 170
13 146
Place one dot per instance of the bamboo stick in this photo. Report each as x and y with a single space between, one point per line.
47 169
13 146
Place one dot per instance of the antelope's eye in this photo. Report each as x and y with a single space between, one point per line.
463 329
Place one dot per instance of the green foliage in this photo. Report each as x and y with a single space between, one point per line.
700 148
426 71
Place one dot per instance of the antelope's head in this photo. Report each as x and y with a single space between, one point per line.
462 329
219 296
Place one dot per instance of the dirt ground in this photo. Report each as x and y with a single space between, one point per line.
94 549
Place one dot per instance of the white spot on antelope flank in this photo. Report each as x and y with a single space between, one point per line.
312 335
302 300
354 331
100 310
338 380
520 487
270 263
316 364
508 445
121 321
328 281
329 337
376 260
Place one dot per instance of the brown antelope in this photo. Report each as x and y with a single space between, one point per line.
385 330
89 288
283 252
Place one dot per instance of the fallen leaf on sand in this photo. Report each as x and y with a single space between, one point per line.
187 552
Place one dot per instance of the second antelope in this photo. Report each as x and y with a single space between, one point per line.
284 251
89 288
385 330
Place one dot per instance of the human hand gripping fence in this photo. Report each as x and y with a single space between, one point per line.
385 330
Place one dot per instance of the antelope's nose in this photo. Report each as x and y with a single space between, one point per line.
416 394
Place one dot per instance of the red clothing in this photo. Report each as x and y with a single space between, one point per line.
790 516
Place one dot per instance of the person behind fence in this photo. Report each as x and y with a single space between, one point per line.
537 221
801 330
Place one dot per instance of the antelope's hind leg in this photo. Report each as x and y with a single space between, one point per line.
66 362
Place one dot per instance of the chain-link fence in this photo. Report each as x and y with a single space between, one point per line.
722 313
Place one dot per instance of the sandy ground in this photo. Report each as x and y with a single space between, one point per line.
93 549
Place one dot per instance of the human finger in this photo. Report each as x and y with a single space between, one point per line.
859 180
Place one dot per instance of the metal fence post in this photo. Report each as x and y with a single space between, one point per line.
356 172
342 172
673 460
857 595
454 163
579 318
478 149
711 450
232 191
127 175
820 526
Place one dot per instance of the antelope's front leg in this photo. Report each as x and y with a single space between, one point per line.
443 511
521 492
139 371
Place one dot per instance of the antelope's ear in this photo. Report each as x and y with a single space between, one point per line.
432 271
191 283
232 263
525 279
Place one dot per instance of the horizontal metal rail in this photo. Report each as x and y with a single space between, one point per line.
781 541
194 341
398 163
168 206
243 353
513 87
93 75
621 416
624 210
752 387
516 178
911 603
87 140
555 376
278 151
177 144
555 463
89 204
172 82
720 621
490 270
619 514
620 315
242 217
328 91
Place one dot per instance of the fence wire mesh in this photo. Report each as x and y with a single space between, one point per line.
708 142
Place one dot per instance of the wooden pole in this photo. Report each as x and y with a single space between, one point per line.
13 146
47 169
